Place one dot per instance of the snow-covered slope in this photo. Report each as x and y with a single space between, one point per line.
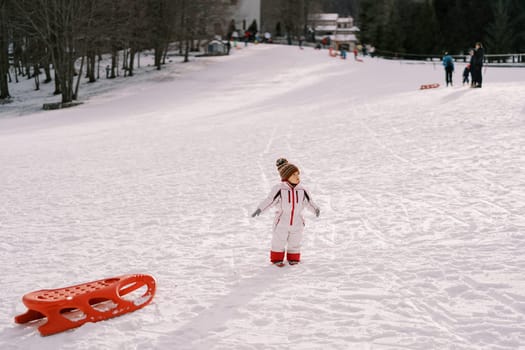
422 193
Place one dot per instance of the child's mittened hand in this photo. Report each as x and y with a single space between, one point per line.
317 212
256 213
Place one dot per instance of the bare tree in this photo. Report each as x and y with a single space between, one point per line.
61 33
94 32
56 22
197 20
161 16
288 17
136 25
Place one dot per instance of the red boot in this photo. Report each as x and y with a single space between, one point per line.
293 258
276 257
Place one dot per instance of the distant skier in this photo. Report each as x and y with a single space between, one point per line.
291 198
448 63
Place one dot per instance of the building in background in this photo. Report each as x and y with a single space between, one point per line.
268 17
341 31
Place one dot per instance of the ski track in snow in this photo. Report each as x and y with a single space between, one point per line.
422 194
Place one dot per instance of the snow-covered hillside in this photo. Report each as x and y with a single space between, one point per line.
422 193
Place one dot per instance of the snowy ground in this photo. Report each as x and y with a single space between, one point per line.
422 193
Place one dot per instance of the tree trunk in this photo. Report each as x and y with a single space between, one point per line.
36 73
113 63
91 67
4 58
47 71
58 90
158 56
165 54
66 74
186 50
98 67
131 61
64 70
88 64
16 74
75 95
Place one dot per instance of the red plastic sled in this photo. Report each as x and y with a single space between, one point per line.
429 86
71 307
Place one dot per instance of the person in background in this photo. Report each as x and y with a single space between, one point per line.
466 74
448 63
471 63
324 42
477 65
247 35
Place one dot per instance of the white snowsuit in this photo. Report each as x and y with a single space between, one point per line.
288 224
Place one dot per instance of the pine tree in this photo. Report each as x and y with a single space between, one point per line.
253 27
518 22
394 35
371 21
500 34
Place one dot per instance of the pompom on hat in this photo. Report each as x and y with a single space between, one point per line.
285 169
280 163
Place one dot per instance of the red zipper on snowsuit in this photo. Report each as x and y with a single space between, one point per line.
293 206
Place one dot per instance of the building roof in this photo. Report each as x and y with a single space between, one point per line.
216 42
323 17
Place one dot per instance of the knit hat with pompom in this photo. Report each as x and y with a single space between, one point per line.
285 169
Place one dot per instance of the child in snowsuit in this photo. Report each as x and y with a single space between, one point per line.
290 198
466 73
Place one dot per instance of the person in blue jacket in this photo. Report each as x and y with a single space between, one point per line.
448 63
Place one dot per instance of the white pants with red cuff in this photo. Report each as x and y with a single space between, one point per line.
286 237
